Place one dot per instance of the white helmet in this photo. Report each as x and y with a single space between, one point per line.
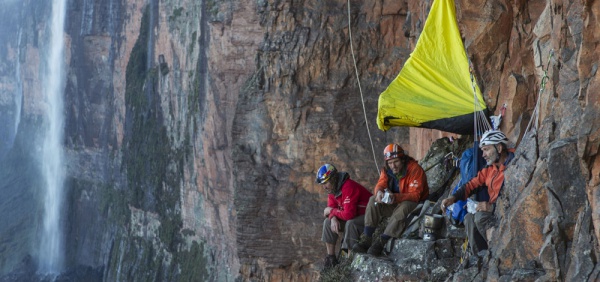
493 137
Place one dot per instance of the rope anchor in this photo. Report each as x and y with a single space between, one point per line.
535 116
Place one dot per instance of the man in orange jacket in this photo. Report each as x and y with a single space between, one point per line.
497 155
402 185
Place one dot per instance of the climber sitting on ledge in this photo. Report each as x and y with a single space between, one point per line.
497 155
345 211
402 185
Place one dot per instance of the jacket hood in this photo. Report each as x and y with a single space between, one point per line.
342 177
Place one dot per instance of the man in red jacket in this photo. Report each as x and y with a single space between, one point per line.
345 211
402 185
497 155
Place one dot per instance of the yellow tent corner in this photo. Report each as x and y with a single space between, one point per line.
434 88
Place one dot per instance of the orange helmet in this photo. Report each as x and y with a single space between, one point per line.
392 151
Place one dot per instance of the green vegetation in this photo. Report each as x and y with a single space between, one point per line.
341 272
176 13
212 7
194 104
140 255
193 42
154 168
193 264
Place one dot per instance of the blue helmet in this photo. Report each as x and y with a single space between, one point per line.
325 173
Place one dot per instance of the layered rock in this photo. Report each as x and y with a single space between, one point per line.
510 45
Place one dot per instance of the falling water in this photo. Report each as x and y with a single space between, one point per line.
13 114
87 17
19 92
51 255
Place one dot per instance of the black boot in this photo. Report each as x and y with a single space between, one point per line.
330 262
377 248
363 244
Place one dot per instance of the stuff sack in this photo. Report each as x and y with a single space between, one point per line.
471 162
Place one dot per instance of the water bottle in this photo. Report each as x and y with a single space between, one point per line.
387 197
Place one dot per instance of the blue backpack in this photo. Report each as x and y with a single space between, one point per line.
470 164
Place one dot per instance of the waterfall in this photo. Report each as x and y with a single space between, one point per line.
153 6
153 13
87 17
13 114
51 252
19 92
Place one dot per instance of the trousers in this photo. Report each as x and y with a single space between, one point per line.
476 225
351 228
397 213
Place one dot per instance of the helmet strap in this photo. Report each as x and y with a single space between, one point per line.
497 153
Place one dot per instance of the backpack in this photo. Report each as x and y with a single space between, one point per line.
470 164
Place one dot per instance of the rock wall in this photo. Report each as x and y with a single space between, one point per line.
194 129
306 101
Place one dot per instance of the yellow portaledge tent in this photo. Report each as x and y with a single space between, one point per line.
434 88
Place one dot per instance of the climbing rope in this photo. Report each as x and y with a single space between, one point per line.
535 116
480 122
359 87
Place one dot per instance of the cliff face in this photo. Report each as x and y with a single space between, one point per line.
194 128
311 113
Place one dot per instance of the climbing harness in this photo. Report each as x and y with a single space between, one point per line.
359 87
